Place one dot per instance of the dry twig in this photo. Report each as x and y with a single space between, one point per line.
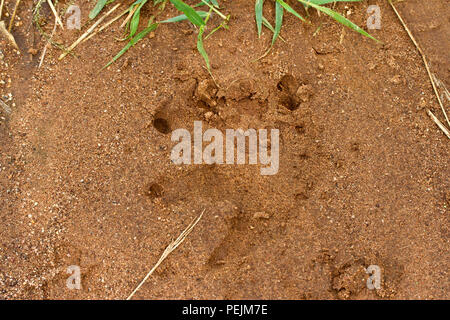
106 25
52 7
439 124
47 44
13 16
423 58
171 247
88 32
129 16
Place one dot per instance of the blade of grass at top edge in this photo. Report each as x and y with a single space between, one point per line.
132 42
259 15
134 23
202 14
214 2
339 18
290 10
321 2
278 20
98 7
203 4
190 13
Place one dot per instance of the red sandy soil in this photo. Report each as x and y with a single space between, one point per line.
86 178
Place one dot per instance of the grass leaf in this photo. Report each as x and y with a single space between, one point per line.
321 2
183 17
267 24
278 20
190 13
259 15
132 42
339 18
98 7
134 23
290 10
201 48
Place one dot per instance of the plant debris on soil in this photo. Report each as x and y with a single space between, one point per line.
86 177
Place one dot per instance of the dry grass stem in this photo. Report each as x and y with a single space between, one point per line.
106 25
88 32
13 16
50 3
47 44
439 124
171 247
423 58
129 17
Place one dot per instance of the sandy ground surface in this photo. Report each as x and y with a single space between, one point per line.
86 177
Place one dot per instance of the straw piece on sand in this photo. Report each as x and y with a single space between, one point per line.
88 32
423 58
171 247
52 7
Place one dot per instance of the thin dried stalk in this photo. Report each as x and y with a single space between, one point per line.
442 86
439 124
106 25
88 32
13 16
50 3
423 58
48 44
171 247
129 16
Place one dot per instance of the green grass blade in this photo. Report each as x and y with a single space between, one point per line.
290 10
259 15
98 7
201 48
339 18
132 42
134 23
321 2
214 3
189 12
183 17
267 24
278 21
